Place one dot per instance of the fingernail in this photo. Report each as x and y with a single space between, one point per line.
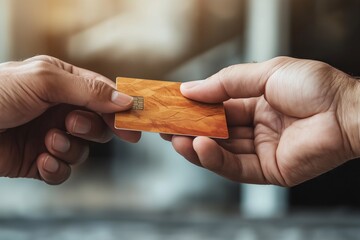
60 143
51 165
121 99
82 125
189 85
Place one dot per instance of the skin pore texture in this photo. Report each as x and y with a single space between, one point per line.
50 110
290 120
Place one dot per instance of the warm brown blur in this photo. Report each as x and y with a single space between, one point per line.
147 190
126 37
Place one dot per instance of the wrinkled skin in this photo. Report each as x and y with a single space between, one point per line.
50 110
289 120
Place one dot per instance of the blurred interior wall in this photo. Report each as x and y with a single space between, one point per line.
129 37
5 28
266 37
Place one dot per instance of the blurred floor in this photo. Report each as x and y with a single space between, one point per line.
300 226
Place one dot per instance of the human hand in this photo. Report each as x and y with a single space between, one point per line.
289 121
49 111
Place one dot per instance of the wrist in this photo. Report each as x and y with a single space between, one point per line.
349 114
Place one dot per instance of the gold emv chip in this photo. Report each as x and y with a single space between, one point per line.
138 103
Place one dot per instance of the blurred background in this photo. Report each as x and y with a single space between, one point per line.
146 190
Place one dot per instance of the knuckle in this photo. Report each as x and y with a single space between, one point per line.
277 62
226 79
44 77
41 68
280 59
225 75
97 88
324 68
226 72
42 57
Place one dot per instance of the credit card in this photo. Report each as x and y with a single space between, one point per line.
160 107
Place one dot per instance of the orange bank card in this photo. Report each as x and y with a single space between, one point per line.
160 107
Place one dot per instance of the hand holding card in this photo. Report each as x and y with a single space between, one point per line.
160 107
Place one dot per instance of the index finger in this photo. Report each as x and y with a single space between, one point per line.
71 68
238 81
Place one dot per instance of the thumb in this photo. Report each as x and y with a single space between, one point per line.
90 91
238 81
